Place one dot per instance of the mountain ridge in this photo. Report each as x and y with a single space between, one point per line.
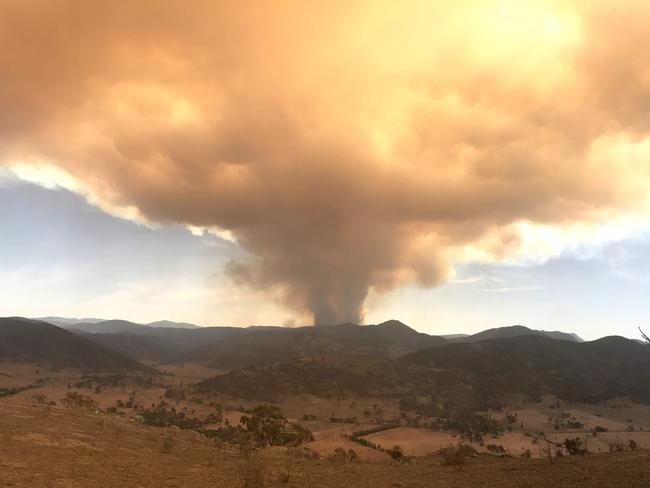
457 375
514 331
27 340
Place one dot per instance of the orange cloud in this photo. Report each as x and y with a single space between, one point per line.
345 145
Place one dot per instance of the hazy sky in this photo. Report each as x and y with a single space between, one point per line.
66 257
457 165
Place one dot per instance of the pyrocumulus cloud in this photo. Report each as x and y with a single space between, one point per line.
347 146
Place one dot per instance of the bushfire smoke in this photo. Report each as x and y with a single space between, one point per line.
347 146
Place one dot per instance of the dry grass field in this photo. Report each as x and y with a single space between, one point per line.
415 442
44 444
621 423
49 446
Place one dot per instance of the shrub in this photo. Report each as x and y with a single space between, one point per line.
253 469
42 399
167 444
456 455
341 456
76 400
496 449
574 446
396 453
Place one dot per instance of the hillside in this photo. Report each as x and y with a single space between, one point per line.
108 327
326 376
513 331
235 347
259 346
262 345
66 322
101 325
589 372
139 347
388 339
85 449
156 343
172 325
24 340
473 375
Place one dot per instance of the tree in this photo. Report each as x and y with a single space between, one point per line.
396 453
266 425
574 446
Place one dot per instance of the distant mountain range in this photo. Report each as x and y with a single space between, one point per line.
227 347
232 347
387 359
513 331
94 325
71 323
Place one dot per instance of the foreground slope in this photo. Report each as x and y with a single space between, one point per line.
24 340
65 448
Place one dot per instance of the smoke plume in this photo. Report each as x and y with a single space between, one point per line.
347 146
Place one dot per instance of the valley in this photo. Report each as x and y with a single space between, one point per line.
367 398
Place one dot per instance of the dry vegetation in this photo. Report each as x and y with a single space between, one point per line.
62 425
321 422
77 448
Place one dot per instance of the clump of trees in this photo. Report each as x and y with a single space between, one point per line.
343 420
175 394
130 403
472 426
77 400
5 392
340 455
267 426
161 416
396 453
359 436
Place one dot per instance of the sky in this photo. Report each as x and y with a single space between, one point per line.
455 165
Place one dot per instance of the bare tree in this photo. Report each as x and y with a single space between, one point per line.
644 335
